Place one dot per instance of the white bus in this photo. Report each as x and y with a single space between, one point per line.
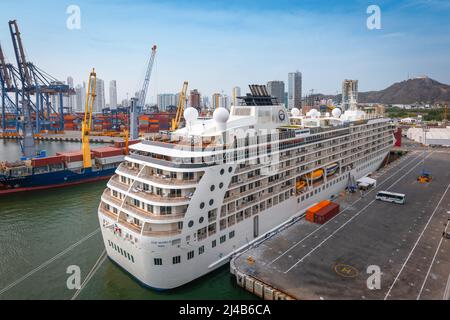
391 197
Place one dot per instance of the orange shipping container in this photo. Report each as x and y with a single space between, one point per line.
312 210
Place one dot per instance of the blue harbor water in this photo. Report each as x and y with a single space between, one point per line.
37 230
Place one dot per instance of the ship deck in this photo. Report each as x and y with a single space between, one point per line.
309 261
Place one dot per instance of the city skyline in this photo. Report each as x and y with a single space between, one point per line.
309 35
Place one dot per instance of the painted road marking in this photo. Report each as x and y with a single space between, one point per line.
431 264
415 245
447 290
351 219
347 208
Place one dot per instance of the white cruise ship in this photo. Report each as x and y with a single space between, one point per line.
183 202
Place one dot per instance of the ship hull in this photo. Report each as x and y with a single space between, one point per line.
51 180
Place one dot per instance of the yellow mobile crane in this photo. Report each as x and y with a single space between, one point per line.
87 121
180 107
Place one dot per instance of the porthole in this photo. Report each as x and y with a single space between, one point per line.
212 187
201 220
221 185
202 205
191 224
222 171
230 169
211 202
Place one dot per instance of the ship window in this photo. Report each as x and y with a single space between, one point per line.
176 260
223 238
201 250
202 205
190 255
221 185
132 258
157 261
230 169
231 235
201 220
211 202
128 255
214 243
222 171
212 187
191 224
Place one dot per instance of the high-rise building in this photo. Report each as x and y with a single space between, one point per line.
80 96
70 101
205 102
165 100
125 103
224 101
235 94
194 98
276 89
113 94
99 103
349 94
215 100
294 89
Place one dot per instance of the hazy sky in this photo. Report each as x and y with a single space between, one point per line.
217 45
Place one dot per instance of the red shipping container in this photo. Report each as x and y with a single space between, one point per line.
71 156
104 152
326 213
40 162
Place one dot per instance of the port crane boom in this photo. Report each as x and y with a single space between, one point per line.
138 103
87 121
143 92
180 107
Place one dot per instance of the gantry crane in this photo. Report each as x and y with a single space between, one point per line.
138 103
180 107
87 121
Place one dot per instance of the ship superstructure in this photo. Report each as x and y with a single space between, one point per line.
182 202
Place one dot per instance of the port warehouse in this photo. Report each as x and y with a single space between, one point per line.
430 136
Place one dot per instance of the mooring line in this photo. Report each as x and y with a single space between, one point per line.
46 263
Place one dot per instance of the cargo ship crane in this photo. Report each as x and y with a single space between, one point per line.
180 107
138 103
87 121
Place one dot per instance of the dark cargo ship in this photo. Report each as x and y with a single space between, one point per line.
63 169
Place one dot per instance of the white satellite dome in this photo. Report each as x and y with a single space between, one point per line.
295 112
190 114
221 115
336 112
314 113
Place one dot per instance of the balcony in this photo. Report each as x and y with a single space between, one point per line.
109 214
107 196
161 233
130 226
148 195
148 215
167 180
115 182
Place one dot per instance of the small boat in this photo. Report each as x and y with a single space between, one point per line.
331 169
315 175
300 185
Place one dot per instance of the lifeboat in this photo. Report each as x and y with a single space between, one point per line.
300 185
315 175
331 169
